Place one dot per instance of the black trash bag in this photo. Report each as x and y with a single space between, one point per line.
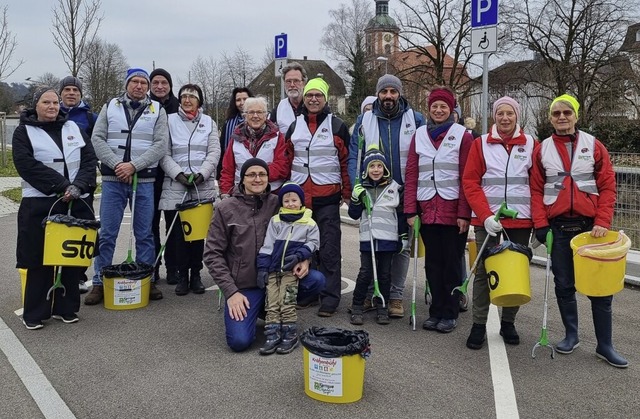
331 342
508 245
132 271
192 203
72 221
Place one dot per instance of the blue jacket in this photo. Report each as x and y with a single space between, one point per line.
81 115
289 233
386 125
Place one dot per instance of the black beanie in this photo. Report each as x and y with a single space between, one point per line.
253 162
164 73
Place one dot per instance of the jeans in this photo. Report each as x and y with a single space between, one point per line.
115 196
399 269
241 334
562 260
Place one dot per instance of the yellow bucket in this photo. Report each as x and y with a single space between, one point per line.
195 217
508 277
68 244
599 263
420 247
333 380
123 291
23 281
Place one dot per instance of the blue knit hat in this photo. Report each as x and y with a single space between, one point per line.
291 187
136 72
374 154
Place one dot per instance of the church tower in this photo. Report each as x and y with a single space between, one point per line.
381 33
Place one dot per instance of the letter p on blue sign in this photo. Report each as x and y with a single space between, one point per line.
280 50
484 13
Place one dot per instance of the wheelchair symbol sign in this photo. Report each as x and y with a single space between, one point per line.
484 39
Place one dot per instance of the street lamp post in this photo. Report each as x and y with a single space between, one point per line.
273 94
386 63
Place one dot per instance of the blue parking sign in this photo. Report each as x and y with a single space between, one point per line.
484 13
281 46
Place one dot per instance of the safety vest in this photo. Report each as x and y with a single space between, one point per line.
315 156
189 149
439 169
407 129
507 176
384 217
266 152
141 134
46 151
582 168
285 115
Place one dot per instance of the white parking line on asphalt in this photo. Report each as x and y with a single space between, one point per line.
46 397
503 392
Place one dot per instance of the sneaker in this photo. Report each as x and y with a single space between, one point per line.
431 323
477 336
95 296
509 333
154 292
446 325
396 310
32 325
66 318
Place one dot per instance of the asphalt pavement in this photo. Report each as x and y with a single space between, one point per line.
170 359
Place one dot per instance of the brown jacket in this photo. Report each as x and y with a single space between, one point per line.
236 234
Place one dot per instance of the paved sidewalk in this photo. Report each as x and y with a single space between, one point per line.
7 206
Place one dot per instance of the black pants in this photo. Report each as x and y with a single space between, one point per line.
329 257
39 281
365 276
187 255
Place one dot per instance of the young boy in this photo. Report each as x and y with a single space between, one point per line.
379 197
292 237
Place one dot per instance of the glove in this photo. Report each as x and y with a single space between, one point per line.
74 191
357 194
290 262
263 279
492 226
182 178
198 179
541 234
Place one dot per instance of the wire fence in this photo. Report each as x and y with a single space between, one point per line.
627 209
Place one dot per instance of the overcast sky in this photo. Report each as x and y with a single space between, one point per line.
173 33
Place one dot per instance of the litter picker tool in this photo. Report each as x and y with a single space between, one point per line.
416 235
133 208
544 339
57 283
376 287
502 211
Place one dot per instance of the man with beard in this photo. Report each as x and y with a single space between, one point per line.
389 126
294 78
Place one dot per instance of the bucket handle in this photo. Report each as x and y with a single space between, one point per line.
70 203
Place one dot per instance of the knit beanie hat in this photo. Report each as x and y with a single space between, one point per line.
164 73
291 187
374 154
41 91
506 100
136 72
317 84
70 81
444 95
570 100
254 161
458 110
389 80
367 101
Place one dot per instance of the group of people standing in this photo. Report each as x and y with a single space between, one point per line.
283 176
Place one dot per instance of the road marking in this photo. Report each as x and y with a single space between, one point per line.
46 397
503 391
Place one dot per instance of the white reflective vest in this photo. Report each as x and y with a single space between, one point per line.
266 153
285 115
439 169
315 156
46 151
384 217
371 133
507 176
189 149
582 168
141 134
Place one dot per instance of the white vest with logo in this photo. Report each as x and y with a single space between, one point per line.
141 134
315 156
582 167
439 169
384 217
285 115
265 152
189 149
46 151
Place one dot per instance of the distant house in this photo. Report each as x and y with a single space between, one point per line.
268 85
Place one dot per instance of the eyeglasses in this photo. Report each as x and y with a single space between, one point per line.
314 96
256 113
293 81
262 175
188 96
567 113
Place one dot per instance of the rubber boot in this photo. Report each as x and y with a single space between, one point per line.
382 315
172 276
289 338
569 313
183 282
601 310
195 282
357 315
272 333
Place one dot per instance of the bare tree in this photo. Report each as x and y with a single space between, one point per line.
240 68
103 72
75 25
207 73
7 47
268 56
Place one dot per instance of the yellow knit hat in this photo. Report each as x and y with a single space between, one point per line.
566 98
317 84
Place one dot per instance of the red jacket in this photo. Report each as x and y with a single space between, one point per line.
472 180
436 210
571 201
279 168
